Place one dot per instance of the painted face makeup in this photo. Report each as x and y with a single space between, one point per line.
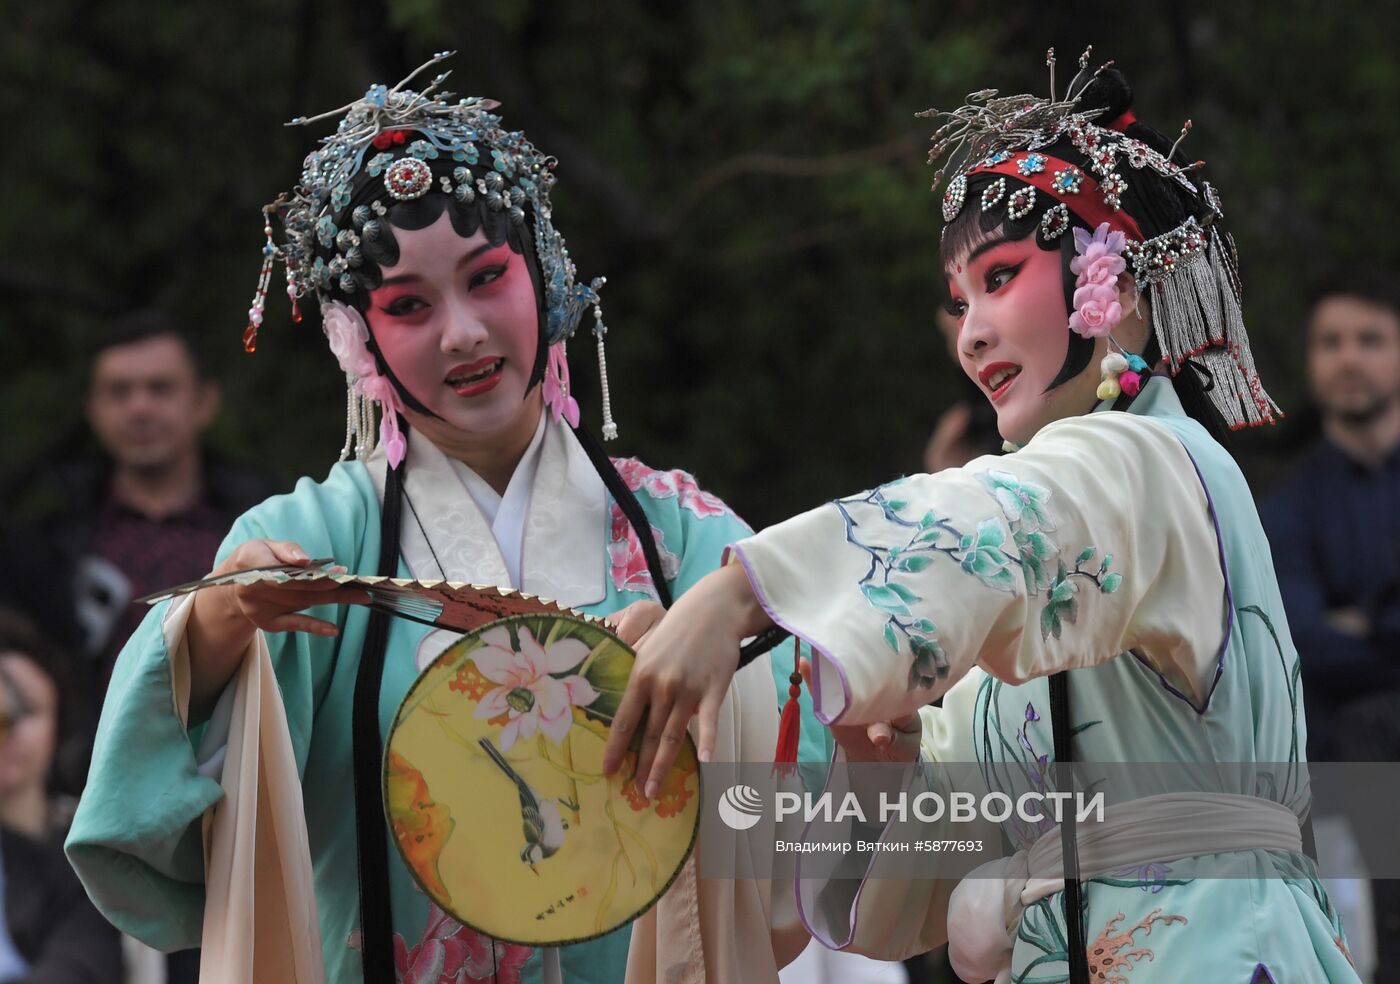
457 322
1008 297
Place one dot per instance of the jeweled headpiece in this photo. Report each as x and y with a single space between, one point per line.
1189 273
394 145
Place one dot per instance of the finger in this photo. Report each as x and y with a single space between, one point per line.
624 725
910 724
298 623
707 725
881 735
288 552
626 626
804 666
672 737
658 720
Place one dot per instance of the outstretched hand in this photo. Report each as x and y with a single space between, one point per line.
890 742
683 669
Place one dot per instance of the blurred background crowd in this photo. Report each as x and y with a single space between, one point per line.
751 179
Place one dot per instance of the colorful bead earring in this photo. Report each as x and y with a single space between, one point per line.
1122 373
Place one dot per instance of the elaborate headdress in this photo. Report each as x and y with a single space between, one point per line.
395 145
1189 273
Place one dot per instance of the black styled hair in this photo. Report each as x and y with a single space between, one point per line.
1158 204
380 248
135 327
1372 286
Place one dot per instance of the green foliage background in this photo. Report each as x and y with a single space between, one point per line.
749 176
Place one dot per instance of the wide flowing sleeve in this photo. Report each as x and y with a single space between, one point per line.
883 912
136 841
1094 539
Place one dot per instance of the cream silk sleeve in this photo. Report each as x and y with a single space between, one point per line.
1096 538
885 913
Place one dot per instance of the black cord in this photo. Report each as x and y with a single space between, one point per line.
631 508
371 833
1078 957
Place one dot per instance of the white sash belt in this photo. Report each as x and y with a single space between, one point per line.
985 908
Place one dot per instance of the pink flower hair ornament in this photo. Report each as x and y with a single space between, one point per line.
349 340
1097 266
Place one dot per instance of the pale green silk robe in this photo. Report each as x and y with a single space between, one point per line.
136 840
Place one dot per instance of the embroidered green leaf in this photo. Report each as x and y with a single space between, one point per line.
928 520
1111 583
891 638
887 598
897 504
924 625
904 593
1062 591
1086 555
914 564
1107 563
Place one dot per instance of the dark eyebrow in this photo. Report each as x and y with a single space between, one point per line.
407 277
984 246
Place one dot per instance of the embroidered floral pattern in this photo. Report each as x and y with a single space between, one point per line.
450 953
883 586
628 563
675 484
1108 954
1024 503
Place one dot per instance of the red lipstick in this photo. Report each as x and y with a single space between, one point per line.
1006 372
475 378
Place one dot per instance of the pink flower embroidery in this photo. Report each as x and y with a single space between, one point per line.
529 693
450 953
627 561
349 339
1098 266
669 485
556 386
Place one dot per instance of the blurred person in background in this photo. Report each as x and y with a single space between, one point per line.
1334 526
1334 529
147 511
49 932
150 508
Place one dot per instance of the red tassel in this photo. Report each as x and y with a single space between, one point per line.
790 723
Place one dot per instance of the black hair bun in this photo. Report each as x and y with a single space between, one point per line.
1110 92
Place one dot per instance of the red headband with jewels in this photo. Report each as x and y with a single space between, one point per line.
1064 182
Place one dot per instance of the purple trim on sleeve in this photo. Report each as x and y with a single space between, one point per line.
1229 606
854 917
772 613
1262 975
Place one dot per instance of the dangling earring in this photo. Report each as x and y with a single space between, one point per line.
1121 372
255 310
599 330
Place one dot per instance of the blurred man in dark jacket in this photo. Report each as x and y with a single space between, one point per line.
152 508
1334 527
150 511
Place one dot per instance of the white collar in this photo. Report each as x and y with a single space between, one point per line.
563 542
506 513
